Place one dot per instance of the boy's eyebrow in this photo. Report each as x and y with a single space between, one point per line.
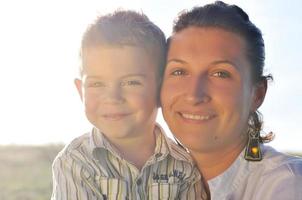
94 77
125 76
130 75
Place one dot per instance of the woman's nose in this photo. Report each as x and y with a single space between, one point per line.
197 90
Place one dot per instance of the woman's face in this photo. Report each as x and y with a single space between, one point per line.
207 93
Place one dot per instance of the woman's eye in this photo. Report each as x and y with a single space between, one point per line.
178 72
222 74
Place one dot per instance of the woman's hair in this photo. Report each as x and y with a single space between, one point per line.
231 18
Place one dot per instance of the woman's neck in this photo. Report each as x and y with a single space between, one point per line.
214 163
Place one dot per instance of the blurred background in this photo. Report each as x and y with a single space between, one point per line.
40 110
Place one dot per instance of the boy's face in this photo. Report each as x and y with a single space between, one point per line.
119 90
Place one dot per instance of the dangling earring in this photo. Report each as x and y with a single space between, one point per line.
252 150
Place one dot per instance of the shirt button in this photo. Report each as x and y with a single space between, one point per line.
139 181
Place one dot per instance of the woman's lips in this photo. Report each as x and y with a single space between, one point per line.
194 117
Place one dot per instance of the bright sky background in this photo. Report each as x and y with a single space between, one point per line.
39 43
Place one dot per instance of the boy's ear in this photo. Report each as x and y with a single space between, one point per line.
259 95
78 84
158 101
158 93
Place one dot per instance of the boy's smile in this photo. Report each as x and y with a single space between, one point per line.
119 90
115 116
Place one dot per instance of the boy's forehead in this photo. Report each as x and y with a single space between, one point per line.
149 50
123 59
132 52
111 50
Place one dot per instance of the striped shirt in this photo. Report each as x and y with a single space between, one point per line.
90 168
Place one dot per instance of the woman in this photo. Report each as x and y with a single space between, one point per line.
212 88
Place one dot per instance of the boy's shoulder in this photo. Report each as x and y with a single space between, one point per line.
79 145
85 147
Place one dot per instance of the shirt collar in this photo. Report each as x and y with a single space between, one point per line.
164 145
99 142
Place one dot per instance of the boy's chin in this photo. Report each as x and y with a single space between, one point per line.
118 133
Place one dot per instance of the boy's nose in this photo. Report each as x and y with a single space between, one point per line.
197 91
113 95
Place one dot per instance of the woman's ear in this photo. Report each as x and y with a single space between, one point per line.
78 84
259 94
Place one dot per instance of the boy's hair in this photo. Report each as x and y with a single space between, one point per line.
128 28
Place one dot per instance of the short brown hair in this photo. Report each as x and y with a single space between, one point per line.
128 28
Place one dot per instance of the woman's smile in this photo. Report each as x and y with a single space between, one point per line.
194 117
207 90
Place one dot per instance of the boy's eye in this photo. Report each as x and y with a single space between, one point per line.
96 84
131 83
178 72
222 74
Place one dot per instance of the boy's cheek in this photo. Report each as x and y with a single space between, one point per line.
91 102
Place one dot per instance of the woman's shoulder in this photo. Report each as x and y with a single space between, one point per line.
280 175
275 160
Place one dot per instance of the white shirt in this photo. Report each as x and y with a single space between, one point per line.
277 177
90 168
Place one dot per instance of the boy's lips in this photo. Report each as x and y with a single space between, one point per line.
115 116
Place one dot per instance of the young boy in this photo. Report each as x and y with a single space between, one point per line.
126 155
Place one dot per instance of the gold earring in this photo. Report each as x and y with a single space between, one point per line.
252 150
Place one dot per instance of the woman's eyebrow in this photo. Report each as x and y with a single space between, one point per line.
228 62
176 60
